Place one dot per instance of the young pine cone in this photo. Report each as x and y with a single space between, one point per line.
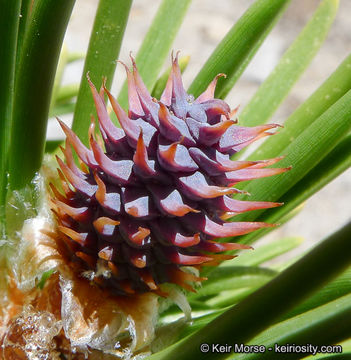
153 195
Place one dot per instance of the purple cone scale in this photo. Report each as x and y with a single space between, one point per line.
152 196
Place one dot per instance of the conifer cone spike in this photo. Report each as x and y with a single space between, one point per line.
154 195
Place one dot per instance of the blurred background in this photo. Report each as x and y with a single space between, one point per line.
204 26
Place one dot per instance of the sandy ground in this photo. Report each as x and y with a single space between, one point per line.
203 28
